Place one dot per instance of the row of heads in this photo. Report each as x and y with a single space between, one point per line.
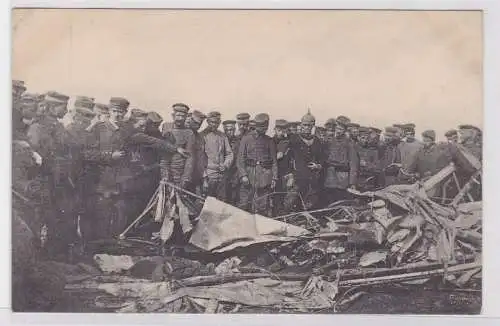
87 107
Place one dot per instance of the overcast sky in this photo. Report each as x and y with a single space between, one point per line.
377 67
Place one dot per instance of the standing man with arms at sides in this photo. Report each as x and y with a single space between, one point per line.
257 167
219 154
199 155
308 157
353 131
342 165
50 139
232 178
286 188
409 146
178 168
390 157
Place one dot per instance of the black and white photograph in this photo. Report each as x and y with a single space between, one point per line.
247 161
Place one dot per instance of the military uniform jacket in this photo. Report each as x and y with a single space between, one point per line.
431 160
285 164
303 152
369 160
199 158
176 168
257 159
342 163
233 175
408 152
219 152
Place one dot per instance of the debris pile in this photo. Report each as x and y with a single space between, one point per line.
311 261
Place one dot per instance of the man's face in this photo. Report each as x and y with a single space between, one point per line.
428 142
453 139
306 128
194 125
363 139
242 126
279 132
261 128
339 131
229 130
410 135
140 124
466 135
60 110
116 115
213 124
374 138
389 138
321 134
292 129
330 130
179 118
354 132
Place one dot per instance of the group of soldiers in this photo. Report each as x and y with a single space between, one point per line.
91 178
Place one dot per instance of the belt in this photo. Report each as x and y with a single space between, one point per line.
264 164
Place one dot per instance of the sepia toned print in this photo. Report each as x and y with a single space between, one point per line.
259 161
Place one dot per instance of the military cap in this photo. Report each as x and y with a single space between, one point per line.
330 122
243 116
391 130
293 124
353 125
101 108
451 133
320 129
251 122
154 117
397 125
84 102
376 130
261 118
364 130
119 103
469 127
180 107
56 97
198 116
137 113
229 122
30 97
85 112
343 119
281 123
429 134
408 126
213 115
18 84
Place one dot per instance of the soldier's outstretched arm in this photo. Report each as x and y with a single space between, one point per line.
139 138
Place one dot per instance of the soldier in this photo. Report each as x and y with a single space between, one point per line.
286 188
342 165
49 138
390 157
243 120
369 161
292 127
18 88
470 139
409 146
199 154
320 132
257 167
307 154
219 154
26 114
177 168
452 136
232 179
353 131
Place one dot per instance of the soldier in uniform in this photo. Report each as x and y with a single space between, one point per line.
177 168
18 88
243 120
470 139
390 157
257 167
369 161
199 154
343 120
452 136
342 165
374 136
286 187
49 138
409 146
219 154
308 157
320 132
232 179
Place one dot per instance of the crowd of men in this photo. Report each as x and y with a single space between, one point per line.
91 178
